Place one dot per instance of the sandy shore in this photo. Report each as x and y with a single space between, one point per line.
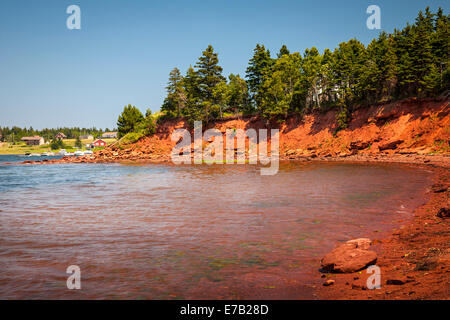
415 258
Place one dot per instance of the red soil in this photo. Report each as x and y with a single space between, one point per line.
407 128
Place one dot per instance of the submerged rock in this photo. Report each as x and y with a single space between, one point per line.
349 257
444 213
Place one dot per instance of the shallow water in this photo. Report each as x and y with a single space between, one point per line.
200 231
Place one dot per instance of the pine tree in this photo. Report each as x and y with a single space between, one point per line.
380 73
221 98
421 52
128 120
440 43
348 67
312 68
283 50
402 45
193 109
281 86
209 75
176 94
238 97
259 66
327 78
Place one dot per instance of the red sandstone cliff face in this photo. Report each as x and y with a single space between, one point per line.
406 127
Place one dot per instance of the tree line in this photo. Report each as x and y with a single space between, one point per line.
14 134
413 61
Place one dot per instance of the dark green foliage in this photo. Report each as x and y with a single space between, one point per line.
128 120
14 134
259 66
379 76
281 86
176 94
413 61
132 125
342 119
57 144
209 75
283 50
147 125
78 143
237 96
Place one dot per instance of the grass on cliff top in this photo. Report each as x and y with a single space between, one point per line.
130 138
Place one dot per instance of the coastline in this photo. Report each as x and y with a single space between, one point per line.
414 258
417 255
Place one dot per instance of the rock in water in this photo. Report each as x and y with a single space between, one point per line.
444 213
349 257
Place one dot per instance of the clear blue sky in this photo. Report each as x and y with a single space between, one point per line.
51 76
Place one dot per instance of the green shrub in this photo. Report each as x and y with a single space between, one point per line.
131 137
342 119
57 144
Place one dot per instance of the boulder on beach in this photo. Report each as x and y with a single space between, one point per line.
349 257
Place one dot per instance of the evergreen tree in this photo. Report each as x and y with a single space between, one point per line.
327 79
440 43
78 143
259 65
176 94
402 45
193 109
283 50
421 52
128 120
221 99
147 126
238 98
312 68
281 86
413 61
209 74
348 66
380 73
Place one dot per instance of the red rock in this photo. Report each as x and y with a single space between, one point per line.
349 257
329 283
361 243
390 145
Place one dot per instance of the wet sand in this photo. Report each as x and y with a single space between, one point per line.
414 259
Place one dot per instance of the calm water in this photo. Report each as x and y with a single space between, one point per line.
174 232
